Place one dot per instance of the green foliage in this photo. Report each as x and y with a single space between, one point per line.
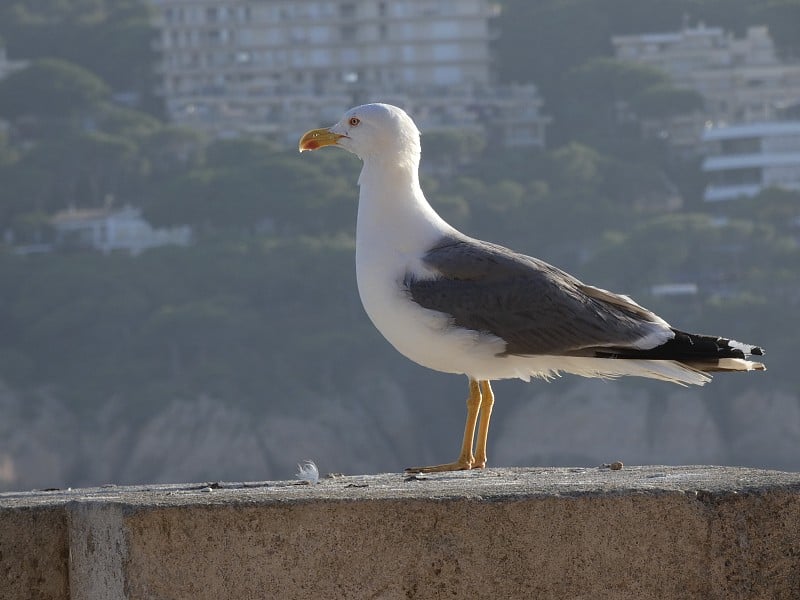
82 169
229 317
773 205
608 80
51 88
781 17
663 100
111 38
169 151
53 11
32 228
596 101
265 298
239 152
579 29
8 154
448 149
125 122
274 192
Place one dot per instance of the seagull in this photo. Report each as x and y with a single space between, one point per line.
457 304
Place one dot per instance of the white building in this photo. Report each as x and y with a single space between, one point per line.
108 229
741 79
747 158
8 66
278 67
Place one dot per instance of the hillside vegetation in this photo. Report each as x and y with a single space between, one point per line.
248 350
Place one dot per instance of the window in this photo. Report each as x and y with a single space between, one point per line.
741 146
445 52
348 33
349 56
747 176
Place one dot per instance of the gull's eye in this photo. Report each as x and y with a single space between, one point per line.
354 121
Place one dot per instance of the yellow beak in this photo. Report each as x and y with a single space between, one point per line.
317 138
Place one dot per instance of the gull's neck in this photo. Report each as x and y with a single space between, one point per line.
396 226
393 214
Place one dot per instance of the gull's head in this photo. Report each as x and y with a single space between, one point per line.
370 131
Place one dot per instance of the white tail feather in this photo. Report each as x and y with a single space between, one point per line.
740 364
666 370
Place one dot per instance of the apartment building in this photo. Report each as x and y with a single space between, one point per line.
740 78
744 159
278 66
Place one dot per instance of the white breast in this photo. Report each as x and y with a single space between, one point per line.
394 232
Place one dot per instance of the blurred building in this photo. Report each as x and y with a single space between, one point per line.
8 66
113 229
279 67
741 79
745 159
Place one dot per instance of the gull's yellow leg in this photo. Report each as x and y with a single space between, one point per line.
465 459
487 401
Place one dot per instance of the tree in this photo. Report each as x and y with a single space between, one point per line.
8 154
556 35
120 49
782 17
596 100
239 152
50 88
111 38
448 149
83 168
775 206
576 170
166 153
609 80
25 188
664 100
126 122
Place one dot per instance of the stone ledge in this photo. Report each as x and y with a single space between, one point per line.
642 532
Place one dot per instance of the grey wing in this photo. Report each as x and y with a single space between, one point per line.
534 307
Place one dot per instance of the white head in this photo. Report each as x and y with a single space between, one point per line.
373 132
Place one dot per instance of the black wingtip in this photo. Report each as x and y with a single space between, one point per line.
689 348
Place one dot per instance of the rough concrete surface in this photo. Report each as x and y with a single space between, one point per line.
34 551
641 532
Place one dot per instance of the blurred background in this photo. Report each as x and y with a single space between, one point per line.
177 288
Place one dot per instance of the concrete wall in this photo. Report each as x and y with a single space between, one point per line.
643 532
